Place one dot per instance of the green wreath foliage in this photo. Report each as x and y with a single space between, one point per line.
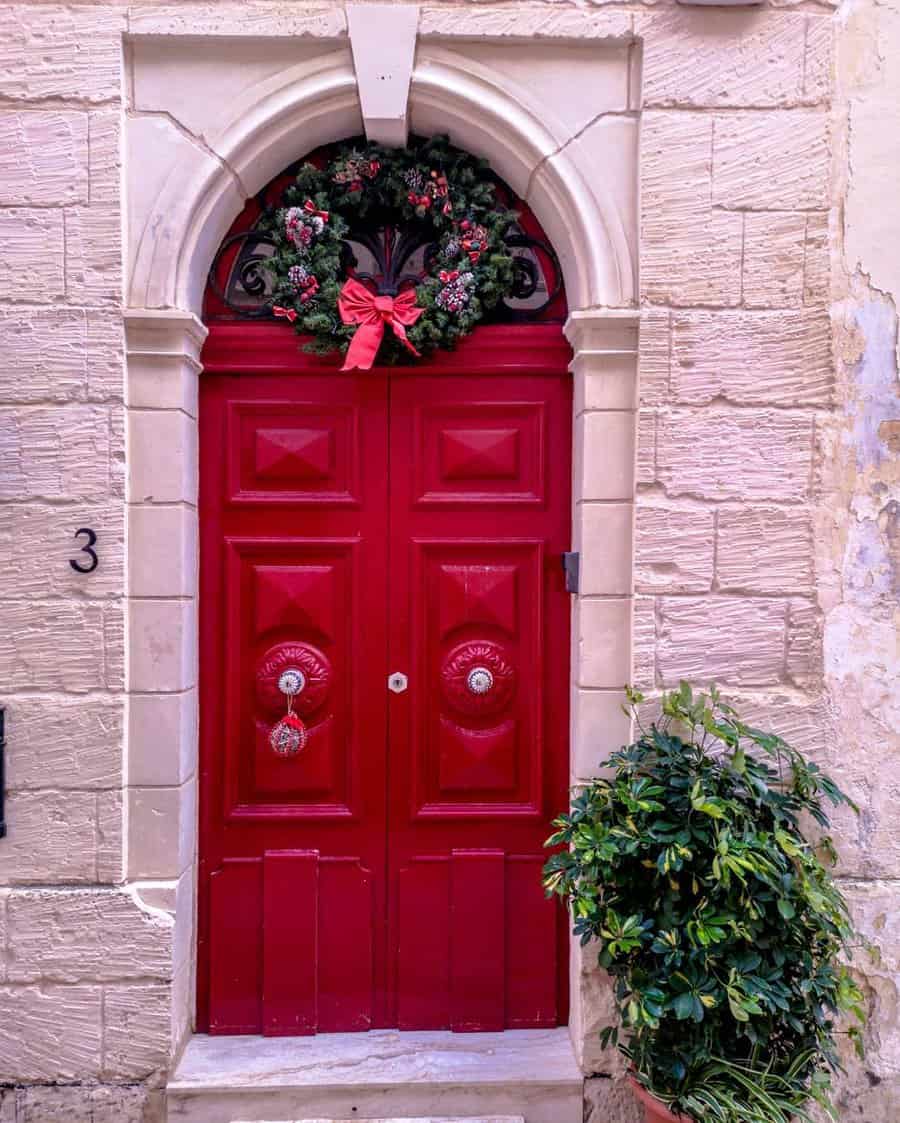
448 193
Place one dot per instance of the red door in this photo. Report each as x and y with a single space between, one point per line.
395 536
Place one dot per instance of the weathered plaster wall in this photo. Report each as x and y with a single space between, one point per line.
766 539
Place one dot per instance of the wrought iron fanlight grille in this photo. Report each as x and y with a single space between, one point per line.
386 256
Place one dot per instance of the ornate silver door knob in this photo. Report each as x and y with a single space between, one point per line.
291 681
479 680
397 682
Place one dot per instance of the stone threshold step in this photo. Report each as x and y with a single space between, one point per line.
528 1075
430 1119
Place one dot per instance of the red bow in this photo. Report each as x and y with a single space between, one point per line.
357 305
288 313
310 207
446 277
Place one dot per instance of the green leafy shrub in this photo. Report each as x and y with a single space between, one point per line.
717 919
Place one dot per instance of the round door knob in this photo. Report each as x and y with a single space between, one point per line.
291 681
397 682
479 680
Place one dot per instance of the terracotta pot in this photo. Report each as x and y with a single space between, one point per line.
654 1111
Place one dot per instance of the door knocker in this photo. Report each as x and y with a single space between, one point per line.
289 736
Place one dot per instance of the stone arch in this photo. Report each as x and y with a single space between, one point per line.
317 102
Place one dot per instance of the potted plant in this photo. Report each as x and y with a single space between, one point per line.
716 917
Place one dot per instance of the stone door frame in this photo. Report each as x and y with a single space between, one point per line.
175 226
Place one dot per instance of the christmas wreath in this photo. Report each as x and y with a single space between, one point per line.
443 199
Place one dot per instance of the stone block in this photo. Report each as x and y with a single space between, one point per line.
542 23
752 358
54 51
653 356
52 837
161 825
162 454
804 643
45 354
41 1103
819 62
697 58
593 1008
50 1033
162 551
771 160
729 454
774 251
94 254
162 645
114 645
54 453
105 355
54 645
37 542
608 1099
644 643
104 158
696 260
604 642
674 549
645 466
764 550
817 262
690 254
43 158
162 738
32 252
603 534
248 18
730 640
127 1103
599 727
110 841
136 1031
604 455
807 725
85 935
64 742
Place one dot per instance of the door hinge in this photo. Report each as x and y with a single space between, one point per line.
571 563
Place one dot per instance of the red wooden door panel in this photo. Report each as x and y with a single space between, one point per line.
292 550
478 755
353 526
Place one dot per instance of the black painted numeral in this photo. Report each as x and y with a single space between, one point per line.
88 548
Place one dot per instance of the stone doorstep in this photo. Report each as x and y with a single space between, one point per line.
521 1076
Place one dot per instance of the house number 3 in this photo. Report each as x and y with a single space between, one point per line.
81 566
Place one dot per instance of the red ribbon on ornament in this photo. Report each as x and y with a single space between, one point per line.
357 305
288 314
310 207
446 277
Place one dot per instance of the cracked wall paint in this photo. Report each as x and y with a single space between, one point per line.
858 558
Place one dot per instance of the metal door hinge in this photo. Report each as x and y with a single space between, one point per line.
571 563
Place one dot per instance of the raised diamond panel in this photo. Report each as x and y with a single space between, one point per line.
294 454
478 594
480 454
297 597
474 760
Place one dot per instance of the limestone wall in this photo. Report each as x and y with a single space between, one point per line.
766 534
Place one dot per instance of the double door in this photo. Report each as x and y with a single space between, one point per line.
392 540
